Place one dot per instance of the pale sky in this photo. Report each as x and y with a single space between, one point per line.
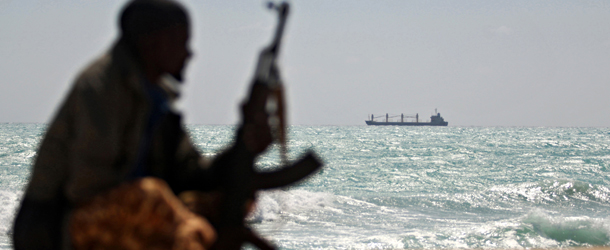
479 62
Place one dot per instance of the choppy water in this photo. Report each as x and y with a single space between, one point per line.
409 187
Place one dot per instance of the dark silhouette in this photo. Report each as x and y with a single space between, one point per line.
116 150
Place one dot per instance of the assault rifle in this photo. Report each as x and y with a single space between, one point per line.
243 181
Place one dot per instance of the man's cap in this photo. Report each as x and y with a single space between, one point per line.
141 17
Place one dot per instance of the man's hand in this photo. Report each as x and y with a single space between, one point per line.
256 129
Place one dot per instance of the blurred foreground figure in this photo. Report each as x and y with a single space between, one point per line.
115 155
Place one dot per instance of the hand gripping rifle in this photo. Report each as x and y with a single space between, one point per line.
243 181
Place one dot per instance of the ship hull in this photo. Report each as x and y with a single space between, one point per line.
374 123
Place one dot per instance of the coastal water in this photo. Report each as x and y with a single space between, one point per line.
407 187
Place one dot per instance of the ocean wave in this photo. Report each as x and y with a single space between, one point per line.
559 192
553 192
271 205
574 231
537 229
504 234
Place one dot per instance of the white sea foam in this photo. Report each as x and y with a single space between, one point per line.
272 204
9 202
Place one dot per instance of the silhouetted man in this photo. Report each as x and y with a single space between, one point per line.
116 129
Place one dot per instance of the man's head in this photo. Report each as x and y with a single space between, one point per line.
158 31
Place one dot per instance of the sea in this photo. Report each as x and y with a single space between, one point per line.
406 187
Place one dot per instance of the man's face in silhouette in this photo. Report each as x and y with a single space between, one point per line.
171 50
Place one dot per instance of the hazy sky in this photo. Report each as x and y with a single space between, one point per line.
481 63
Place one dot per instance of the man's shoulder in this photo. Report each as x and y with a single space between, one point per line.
107 68
96 69
94 74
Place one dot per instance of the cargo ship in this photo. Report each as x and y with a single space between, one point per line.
435 120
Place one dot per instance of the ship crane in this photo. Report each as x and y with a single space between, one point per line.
387 117
373 117
402 117
416 116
